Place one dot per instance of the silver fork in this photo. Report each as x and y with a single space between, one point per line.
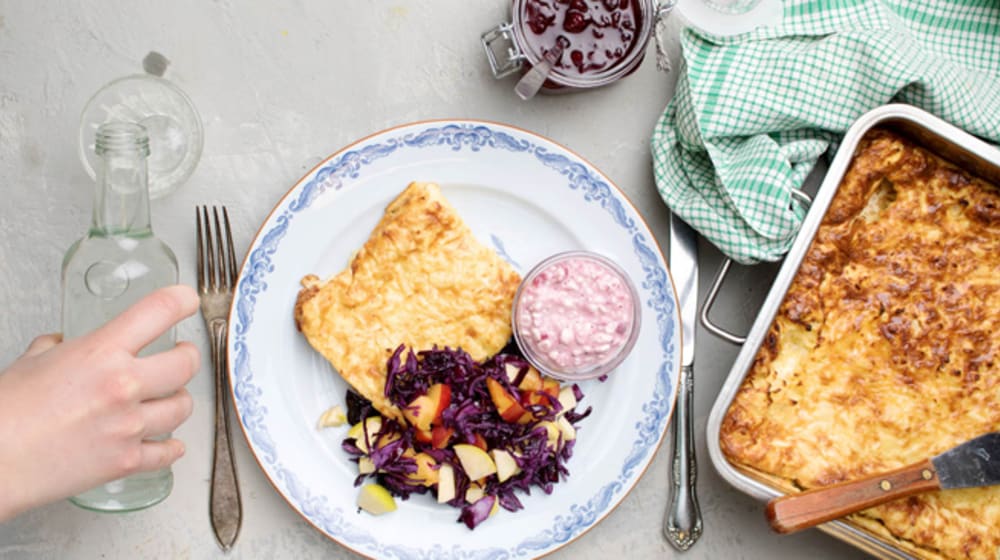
216 283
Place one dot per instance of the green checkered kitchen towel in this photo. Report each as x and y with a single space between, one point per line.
753 113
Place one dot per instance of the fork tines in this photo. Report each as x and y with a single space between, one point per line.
216 257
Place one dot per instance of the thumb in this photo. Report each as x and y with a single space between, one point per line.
43 343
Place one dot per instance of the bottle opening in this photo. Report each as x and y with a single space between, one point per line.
122 138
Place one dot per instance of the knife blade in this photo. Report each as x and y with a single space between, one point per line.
683 524
684 270
971 464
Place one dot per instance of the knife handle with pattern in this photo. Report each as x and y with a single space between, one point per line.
800 511
683 524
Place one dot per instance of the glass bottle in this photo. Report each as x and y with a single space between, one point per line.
114 265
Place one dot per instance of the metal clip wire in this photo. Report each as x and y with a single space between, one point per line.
505 32
660 34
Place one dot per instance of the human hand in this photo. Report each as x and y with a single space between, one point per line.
78 413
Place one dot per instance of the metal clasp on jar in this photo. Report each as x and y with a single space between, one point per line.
515 57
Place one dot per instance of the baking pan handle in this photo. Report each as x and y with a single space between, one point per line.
718 331
720 278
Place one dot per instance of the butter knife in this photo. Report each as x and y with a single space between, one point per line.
683 525
973 464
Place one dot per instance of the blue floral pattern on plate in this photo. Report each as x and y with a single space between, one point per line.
475 136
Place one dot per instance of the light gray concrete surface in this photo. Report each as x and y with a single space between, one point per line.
280 86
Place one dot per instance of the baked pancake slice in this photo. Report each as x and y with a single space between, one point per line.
422 279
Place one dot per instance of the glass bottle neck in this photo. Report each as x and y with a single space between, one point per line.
121 206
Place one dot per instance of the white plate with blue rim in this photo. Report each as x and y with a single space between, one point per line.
528 198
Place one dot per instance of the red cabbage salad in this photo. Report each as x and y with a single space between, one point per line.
472 434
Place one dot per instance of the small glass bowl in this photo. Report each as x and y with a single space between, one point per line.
176 136
569 318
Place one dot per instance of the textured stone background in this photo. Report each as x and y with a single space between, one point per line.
280 86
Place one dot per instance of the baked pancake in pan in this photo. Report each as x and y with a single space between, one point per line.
886 348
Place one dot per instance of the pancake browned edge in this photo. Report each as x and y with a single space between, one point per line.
423 280
886 349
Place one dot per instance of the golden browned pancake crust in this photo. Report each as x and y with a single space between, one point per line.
422 279
885 350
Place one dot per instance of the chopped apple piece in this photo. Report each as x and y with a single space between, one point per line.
420 413
530 398
369 426
480 442
427 472
567 399
440 393
506 465
386 439
532 381
475 462
566 429
375 499
550 387
440 436
365 465
357 430
508 407
425 410
552 431
333 417
423 436
446 483
474 493
512 372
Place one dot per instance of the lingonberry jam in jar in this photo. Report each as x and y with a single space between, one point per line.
576 316
588 43
594 35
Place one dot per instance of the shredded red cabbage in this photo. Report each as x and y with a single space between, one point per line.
476 513
474 419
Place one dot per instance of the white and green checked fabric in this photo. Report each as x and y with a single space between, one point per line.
753 113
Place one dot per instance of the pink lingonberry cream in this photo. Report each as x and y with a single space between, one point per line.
576 315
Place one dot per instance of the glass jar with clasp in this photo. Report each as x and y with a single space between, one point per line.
579 44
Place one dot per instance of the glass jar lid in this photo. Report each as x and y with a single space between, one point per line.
175 132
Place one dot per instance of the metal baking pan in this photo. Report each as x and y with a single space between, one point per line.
943 139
